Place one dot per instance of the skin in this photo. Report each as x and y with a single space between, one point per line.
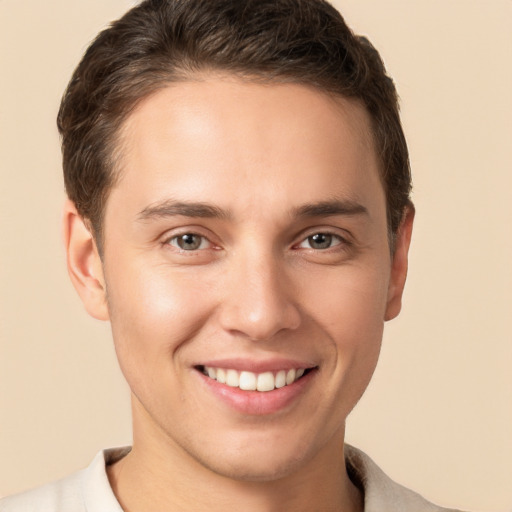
256 289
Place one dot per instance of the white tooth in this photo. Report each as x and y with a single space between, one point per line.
248 381
266 382
211 373
300 373
290 376
280 379
221 375
232 378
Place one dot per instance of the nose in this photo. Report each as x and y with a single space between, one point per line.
259 301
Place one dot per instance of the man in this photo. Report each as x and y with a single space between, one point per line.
239 210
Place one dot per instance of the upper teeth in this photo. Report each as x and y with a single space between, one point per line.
249 381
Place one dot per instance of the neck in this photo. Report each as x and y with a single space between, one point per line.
159 475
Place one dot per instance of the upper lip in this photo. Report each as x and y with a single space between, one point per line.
257 366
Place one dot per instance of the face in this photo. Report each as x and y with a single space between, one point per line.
247 272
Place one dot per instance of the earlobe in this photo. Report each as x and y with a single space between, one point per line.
399 265
84 264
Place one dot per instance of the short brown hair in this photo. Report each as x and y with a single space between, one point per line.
163 41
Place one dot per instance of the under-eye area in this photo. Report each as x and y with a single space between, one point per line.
252 381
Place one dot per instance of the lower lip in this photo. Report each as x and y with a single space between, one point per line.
259 402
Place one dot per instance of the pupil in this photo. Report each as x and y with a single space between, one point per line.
189 242
320 241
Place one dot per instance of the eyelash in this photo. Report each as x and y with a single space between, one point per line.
332 237
181 236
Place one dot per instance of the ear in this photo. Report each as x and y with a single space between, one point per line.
399 265
84 264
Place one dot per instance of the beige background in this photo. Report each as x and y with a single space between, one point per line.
438 415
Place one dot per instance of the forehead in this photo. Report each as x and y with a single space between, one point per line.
231 141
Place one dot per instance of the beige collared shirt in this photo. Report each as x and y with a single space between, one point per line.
89 490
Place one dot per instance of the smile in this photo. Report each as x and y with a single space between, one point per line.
250 381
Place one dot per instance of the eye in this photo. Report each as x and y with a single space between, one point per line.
189 242
320 241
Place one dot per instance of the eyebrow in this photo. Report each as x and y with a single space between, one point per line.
171 208
328 208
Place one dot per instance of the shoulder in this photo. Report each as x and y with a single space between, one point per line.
87 490
381 493
63 495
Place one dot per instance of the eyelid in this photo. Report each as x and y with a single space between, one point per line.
188 230
344 238
334 237
176 237
338 238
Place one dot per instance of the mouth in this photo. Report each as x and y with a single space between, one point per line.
252 381
256 387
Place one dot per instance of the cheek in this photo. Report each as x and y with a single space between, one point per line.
153 311
350 310
348 302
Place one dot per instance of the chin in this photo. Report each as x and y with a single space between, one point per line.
257 458
256 469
